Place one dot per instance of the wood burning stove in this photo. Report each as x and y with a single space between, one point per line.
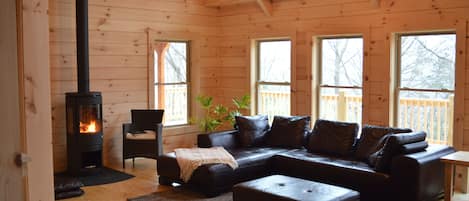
84 131
83 108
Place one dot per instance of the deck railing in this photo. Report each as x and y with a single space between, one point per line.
175 105
274 103
432 116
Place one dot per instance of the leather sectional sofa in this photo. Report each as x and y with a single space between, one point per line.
412 172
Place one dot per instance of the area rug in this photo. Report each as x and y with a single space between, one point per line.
181 194
101 176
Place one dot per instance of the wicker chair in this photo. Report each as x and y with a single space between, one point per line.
142 137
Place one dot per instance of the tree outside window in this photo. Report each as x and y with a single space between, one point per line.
425 84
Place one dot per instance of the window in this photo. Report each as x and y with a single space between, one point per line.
425 84
340 79
171 86
273 77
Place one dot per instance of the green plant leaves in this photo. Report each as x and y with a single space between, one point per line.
216 116
242 103
205 101
220 110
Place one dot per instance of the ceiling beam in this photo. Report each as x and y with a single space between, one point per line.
266 6
221 3
375 3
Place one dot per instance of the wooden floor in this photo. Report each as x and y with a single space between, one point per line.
144 182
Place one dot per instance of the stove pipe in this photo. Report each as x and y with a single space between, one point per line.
82 46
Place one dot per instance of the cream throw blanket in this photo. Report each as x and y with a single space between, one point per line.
189 159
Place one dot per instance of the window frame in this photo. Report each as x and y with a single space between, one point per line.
258 82
187 82
319 71
397 72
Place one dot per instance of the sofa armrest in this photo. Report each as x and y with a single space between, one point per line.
226 139
419 176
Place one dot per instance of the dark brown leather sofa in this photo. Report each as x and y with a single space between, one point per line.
413 177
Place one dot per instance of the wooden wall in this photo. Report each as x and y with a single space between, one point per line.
119 30
221 66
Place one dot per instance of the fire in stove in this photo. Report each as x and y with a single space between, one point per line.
88 127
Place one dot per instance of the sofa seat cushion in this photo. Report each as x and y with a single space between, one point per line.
327 169
145 135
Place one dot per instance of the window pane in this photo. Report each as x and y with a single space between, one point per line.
274 100
427 61
427 111
175 63
170 68
341 104
342 61
274 63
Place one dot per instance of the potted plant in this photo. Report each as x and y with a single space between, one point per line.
217 115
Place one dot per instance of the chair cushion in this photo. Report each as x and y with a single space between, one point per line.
146 135
333 137
288 132
252 129
371 140
381 160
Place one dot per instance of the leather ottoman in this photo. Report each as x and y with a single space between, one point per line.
284 188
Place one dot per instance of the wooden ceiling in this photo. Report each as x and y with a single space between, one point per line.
265 5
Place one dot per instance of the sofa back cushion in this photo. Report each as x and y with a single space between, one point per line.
397 144
252 129
288 131
333 137
371 140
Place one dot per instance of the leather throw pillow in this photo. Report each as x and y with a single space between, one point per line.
333 137
252 129
289 131
371 140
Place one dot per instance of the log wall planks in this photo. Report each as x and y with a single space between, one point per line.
119 62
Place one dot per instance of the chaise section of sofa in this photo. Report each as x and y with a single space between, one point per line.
213 179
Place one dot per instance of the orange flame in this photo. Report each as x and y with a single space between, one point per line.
88 128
